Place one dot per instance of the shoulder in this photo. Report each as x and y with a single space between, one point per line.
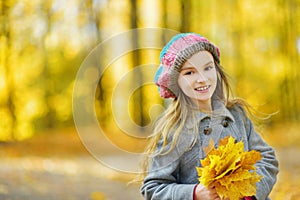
240 115
238 111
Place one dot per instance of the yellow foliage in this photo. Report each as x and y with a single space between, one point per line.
97 195
227 169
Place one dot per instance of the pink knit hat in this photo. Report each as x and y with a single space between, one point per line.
172 57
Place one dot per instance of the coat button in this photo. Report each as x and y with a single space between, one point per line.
207 130
225 123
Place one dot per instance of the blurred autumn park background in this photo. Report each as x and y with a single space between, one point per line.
44 43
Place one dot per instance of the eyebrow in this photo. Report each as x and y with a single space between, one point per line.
192 67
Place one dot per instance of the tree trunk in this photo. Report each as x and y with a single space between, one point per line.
139 114
185 15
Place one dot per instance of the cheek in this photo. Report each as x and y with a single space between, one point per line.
213 77
183 82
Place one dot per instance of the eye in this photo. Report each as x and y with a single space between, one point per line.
188 72
209 67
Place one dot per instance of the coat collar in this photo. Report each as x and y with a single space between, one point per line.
219 111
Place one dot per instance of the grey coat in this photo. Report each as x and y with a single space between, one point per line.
174 176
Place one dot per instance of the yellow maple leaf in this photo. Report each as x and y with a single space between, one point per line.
227 168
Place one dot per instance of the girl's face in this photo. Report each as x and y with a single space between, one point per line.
198 78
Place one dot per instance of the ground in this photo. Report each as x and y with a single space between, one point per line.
56 165
59 167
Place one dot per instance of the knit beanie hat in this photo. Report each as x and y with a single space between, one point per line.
172 57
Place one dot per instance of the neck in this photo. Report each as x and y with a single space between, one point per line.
205 106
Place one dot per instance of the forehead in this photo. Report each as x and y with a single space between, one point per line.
199 59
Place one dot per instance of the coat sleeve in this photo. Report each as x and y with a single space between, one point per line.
267 166
161 181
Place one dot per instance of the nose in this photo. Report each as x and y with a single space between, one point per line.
201 78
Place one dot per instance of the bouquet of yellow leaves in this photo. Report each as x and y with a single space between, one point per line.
230 169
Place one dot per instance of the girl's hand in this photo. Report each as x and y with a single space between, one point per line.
203 193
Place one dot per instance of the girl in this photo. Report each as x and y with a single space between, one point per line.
191 74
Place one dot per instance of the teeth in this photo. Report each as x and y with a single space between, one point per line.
202 88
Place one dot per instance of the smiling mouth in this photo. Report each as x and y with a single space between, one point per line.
203 88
